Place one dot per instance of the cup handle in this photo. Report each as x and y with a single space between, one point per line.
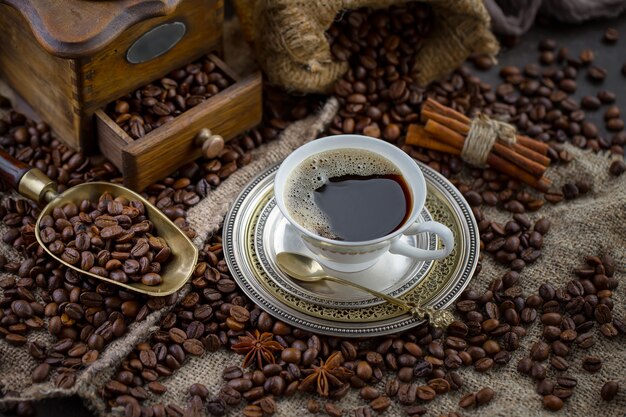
402 248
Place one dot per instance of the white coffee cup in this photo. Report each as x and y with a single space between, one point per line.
347 256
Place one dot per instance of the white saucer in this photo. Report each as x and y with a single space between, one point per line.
392 274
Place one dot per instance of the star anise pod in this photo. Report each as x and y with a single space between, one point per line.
259 346
326 375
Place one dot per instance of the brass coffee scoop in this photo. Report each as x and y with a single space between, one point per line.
35 185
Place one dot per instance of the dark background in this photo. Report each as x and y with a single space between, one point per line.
574 37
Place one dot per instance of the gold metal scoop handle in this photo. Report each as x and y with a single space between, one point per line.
28 181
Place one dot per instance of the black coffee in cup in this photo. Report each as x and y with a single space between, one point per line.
348 194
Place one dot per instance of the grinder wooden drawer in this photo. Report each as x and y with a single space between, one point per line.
160 152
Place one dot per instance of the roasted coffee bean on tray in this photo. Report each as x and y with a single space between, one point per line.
159 102
111 238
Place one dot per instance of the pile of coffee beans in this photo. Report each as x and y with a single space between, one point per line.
111 238
539 100
515 243
82 314
423 362
159 102
378 95
569 315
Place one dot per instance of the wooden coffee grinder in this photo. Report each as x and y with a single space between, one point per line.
69 58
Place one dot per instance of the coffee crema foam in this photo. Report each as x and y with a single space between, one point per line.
315 171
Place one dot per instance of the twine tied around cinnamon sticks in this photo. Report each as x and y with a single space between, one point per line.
482 135
482 141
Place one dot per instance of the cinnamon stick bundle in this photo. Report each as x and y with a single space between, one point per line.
446 130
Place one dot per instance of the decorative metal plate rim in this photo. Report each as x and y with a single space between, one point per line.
346 329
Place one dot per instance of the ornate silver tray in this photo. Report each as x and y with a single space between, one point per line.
254 231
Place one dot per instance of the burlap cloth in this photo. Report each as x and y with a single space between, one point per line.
592 224
292 48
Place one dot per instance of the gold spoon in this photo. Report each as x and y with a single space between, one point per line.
305 269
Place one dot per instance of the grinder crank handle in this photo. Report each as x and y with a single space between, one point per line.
27 180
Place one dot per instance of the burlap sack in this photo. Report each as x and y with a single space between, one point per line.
292 48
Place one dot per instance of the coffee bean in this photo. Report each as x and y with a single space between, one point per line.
603 314
590 103
240 314
609 390
608 330
567 381
216 406
363 412
15 339
468 400
615 124
439 385
585 340
537 371
415 410
41 372
65 380
230 395
559 363
540 351
380 404
151 279
592 363
483 365
422 369
587 56
484 396
407 393
596 74
562 392
22 309
545 387
552 403
233 372
331 409
313 406
425 393
611 35
617 168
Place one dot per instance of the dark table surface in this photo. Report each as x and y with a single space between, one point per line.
574 37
